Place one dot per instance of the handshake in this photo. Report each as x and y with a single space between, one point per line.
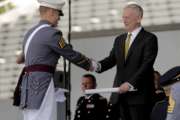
95 66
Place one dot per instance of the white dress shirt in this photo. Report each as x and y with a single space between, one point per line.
134 33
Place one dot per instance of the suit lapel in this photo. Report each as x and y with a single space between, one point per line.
138 38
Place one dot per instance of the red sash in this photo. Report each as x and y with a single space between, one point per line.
27 70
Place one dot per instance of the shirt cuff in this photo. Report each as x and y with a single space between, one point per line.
131 87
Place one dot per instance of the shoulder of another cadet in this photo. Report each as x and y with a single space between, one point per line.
99 97
80 99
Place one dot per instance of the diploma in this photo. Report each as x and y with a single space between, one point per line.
105 90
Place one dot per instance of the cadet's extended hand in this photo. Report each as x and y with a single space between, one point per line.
95 66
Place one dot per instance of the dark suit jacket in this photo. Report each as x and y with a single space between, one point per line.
137 69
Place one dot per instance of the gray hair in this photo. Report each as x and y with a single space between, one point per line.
136 7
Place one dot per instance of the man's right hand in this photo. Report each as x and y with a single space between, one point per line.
124 88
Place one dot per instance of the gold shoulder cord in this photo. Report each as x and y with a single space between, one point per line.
171 105
61 42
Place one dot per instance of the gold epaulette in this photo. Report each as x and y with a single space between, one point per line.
171 105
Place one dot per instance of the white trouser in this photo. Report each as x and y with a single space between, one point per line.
47 109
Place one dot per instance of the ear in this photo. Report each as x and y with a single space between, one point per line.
50 12
139 19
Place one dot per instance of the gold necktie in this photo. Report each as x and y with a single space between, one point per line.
127 44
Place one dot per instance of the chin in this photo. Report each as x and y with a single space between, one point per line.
129 29
126 28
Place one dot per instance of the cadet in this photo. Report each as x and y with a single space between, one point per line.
43 45
159 91
90 107
172 79
160 100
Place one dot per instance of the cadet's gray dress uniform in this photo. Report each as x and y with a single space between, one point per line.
174 112
172 78
45 48
42 47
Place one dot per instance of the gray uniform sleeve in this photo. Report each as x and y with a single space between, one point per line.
58 45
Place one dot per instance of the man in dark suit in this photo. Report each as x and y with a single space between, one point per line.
134 53
92 106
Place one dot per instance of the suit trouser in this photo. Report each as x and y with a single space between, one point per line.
47 108
131 112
